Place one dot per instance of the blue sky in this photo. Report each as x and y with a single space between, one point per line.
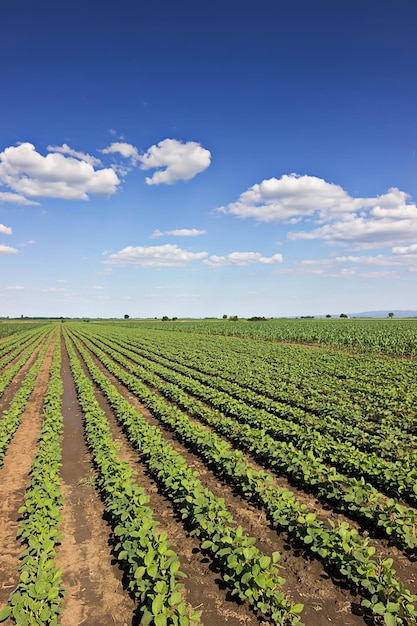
205 158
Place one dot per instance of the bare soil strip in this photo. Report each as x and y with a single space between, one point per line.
202 588
14 385
94 591
406 568
14 478
306 580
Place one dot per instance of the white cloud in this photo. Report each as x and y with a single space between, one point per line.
5 230
65 149
15 198
241 259
385 274
174 161
15 288
8 250
53 290
363 232
180 232
292 197
406 250
125 149
154 256
358 223
27 172
98 287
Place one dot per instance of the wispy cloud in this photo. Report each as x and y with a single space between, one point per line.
65 149
180 232
6 250
154 256
241 259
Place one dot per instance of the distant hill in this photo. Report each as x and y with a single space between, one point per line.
397 313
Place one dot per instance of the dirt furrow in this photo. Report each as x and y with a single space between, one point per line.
306 580
15 383
93 583
14 478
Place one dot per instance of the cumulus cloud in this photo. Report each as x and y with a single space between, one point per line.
168 255
126 150
242 259
55 175
291 197
5 230
406 250
174 161
8 250
65 149
363 232
180 232
7 197
337 217
15 288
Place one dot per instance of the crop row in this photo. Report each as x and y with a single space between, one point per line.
394 337
340 547
350 387
37 598
7 329
20 340
252 576
289 402
352 495
152 567
377 395
11 417
398 479
8 375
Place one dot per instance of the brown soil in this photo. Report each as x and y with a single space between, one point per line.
95 591
14 478
306 580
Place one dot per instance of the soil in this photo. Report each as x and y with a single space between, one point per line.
96 592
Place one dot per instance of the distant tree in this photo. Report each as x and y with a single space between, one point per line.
343 315
165 318
174 319
233 318
126 317
225 317
328 316
391 315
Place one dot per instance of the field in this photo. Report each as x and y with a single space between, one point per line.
208 472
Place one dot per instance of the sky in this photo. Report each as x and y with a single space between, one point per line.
206 158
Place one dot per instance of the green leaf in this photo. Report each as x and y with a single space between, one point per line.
157 604
297 608
379 608
390 619
175 599
5 613
160 620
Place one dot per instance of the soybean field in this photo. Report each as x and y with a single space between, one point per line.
208 472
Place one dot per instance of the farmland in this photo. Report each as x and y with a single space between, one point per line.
209 472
